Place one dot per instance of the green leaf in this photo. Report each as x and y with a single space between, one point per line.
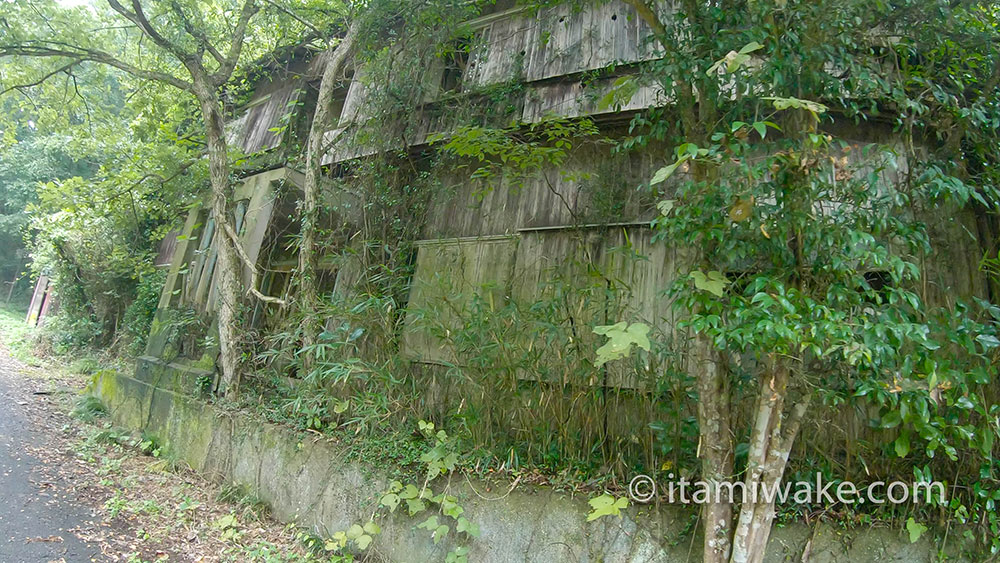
665 172
734 59
915 529
796 103
468 527
621 337
439 533
665 206
227 521
713 282
390 501
988 341
363 542
450 507
372 528
891 420
902 445
413 506
606 505
430 524
355 532
409 492
760 128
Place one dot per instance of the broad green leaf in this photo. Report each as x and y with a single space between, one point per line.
796 103
902 445
355 532
740 211
439 533
621 337
430 524
227 521
450 507
713 282
363 542
606 505
391 501
915 529
665 172
665 206
988 341
413 506
468 527
409 492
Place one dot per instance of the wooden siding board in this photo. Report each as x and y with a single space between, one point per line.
499 52
562 196
253 131
570 42
448 274
572 99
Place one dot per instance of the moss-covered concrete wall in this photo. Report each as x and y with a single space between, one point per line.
305 479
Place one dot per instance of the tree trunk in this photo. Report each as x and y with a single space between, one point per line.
308 291
227 267
715 445
770 443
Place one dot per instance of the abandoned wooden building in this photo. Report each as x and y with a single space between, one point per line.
481 244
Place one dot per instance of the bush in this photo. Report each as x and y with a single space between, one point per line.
139 314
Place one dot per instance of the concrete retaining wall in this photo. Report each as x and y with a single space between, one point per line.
305 480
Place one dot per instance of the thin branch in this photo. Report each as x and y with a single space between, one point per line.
38 82
295 17
138 17
226 68
199 35
252 286
57 49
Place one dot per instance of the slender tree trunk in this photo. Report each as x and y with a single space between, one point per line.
308 290
228 266
770 443
715 444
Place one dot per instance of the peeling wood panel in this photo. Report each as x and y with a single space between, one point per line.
500 51
258 192
165 252
573 99
952 271
448 274
558 41
357 93
610 282
252 130
601 280
593 187
180 266
551 200
569 41
621 259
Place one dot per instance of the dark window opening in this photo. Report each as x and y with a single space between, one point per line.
456 61
877 284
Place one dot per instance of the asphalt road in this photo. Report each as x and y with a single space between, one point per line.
35 515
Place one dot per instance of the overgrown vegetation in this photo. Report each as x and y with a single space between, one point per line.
794 170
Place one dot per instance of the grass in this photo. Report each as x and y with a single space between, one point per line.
15 333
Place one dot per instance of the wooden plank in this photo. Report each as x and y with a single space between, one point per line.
448 274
